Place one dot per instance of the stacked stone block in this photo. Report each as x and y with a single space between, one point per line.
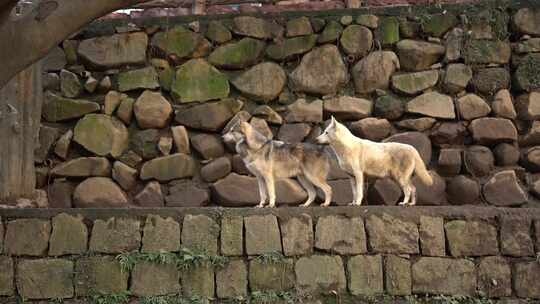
310 255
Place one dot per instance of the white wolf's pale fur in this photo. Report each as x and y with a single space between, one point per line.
358 156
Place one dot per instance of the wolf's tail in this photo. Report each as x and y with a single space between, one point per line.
420 169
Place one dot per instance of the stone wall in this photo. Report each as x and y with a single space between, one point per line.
134 111
308 256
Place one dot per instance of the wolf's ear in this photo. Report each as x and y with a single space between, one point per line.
333 121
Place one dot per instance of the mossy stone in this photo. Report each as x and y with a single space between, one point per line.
388 30
99 274
145 143
408 28
331 32
218 33
291 47
299 27
102 135
237 55
167 168
438 25
317 24
356 40
527 75
146 78
389 107
197 80
370 21
166 78
178 41
56 108
487 51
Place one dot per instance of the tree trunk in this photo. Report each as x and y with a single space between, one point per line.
20 112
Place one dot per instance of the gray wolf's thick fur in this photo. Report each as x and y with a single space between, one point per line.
269 160
358 156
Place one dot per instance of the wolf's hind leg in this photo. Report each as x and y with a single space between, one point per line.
353 187
270 186
413 195
359 185
320 181
262 191
309 189
407 191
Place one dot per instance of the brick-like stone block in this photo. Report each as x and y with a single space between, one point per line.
160 235
116 235
432 241
271 276
231 280
388 234
526 280
200 232
515 237
341 235
471 238
69 235
27 237
320 274
495 277
152 279
232 235
297 235
366 275
6 276
262 234
100 274
198 281
398 275
45 279
444 276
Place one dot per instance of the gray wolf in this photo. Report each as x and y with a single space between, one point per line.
358 156
270 159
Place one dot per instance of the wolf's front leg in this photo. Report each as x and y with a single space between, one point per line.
262 191
270 187
359 185
353 187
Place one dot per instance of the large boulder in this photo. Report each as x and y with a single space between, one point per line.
528 106
389 107
167 168
457 77
433 104
356 40
83 167
70 84
186 193
197 80
418 55
487 51
299 27
217 32
388 234
479 160
152 110
252 27
526 75
348 107
489 131
503 190
289 48
371 128
56 108
145 78
438 276
240 190
503 105
237 55
471 238
490 80
102 135
145 143
416 139
263 82
414 83
373 71
304 111
472 106
209 116
331 32
99 192
114 51
321 71
177 41
463 190
527 21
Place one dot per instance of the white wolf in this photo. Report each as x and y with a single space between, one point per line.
358 156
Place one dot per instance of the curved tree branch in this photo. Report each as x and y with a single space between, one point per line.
30 38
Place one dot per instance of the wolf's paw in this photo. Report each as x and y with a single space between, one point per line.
270 206
305 205
260 206
403 204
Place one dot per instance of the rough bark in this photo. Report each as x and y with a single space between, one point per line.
20 109
30 38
